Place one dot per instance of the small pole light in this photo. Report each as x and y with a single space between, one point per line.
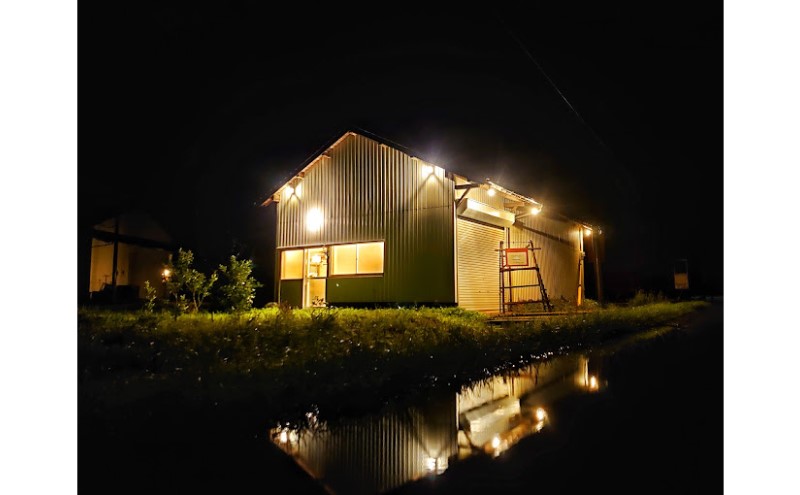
166 273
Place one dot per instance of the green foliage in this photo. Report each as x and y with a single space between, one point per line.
642 298
239 287
319 355
187 287
150 296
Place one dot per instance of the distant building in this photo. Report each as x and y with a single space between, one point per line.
364 223
127 250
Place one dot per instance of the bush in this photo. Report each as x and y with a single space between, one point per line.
642 298
239 288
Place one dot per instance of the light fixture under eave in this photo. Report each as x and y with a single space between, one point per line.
587 231
536 210
491 192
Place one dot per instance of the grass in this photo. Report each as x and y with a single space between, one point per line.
292 360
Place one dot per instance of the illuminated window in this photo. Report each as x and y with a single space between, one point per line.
292 264
370 257
357 259
344 259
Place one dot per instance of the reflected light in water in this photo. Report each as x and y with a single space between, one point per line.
436 465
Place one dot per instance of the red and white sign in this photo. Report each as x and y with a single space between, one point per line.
517 257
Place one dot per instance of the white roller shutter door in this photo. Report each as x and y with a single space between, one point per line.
478 271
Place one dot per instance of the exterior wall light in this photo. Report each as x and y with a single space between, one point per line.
425 171
490 192
535 210
314 220
587 231
540 414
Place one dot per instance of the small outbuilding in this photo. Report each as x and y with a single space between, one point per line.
364 223
127 250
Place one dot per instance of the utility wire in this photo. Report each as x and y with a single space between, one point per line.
552 83
571 107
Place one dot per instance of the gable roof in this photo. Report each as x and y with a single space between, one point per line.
312 161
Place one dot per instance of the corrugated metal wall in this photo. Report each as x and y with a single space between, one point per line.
558 258
478 265
375 454
367 191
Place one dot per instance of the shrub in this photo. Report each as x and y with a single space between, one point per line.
239 287
186 286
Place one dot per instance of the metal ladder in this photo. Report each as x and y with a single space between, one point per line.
507 299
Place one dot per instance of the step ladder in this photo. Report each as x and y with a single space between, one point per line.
508 267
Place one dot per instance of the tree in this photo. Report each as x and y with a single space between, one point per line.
239 287
182 280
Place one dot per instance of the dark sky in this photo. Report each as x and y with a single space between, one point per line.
194 113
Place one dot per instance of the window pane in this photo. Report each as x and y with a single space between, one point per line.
317 263
370 257
292 264
343 259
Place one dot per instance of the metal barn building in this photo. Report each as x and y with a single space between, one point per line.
364 223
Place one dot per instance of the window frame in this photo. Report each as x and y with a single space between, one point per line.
332 255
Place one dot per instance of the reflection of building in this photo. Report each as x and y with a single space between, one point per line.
127 250
378 453
365 223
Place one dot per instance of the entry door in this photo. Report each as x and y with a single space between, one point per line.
478 265
315 276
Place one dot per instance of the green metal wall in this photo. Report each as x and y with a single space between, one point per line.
367 191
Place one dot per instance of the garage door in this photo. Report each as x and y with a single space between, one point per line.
478 275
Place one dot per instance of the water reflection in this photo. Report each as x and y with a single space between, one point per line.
378 453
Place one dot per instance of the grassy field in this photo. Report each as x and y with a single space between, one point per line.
296 359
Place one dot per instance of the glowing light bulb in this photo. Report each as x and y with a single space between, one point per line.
540 414
593 385
587 231
495 442
314 220
535 210
490 192
284 436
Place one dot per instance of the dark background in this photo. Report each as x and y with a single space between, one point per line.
193 114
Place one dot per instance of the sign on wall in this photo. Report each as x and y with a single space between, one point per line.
516 257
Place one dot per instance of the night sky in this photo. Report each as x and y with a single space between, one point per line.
195 114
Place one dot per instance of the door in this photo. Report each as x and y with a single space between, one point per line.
478 265
315 277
